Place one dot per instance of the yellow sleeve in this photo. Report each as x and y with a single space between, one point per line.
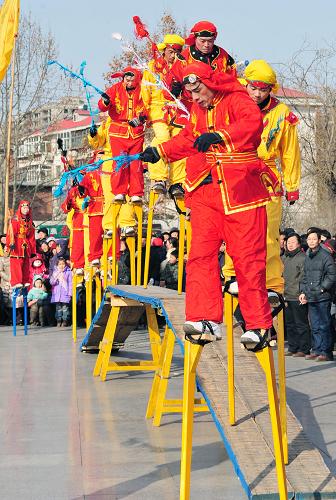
290 154
99 140
146 89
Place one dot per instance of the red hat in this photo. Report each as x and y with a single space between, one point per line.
202 28
157 242
129 70
216 81
18 212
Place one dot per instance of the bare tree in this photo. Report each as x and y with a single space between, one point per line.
312 71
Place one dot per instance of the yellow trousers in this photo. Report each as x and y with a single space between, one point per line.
159 171
274 265
126 214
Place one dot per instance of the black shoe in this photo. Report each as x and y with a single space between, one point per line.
176 190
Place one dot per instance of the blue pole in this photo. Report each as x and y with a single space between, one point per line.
25 310
15 294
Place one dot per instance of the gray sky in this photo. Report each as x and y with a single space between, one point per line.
249 29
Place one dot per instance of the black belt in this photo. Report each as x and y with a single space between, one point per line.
207 180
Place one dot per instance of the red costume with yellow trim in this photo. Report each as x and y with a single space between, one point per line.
20 239
74 201
92 185
230 206
124 106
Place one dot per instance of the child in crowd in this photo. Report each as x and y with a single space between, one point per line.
61 282
35 299
170 273
37 268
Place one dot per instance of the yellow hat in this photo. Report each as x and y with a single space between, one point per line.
171 40
260 71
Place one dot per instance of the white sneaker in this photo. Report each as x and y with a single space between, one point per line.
26 285
159 187
233 288
18 285
202 327
120 198
95 262
273 298
252 337
108 233
80 271
128 231
136 199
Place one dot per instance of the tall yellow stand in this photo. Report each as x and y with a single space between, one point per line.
88 297
230 304
282 381
192 355
103 364
98 290
152 201
138 209
107 244
131 246
180 203
116 206
157 403
76 279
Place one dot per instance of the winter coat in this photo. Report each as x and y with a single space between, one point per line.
61 283
170 275
319 276
64 253
37 294
293 273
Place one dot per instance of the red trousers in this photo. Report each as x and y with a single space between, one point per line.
128 180
245 236
77 249
19 270
96 237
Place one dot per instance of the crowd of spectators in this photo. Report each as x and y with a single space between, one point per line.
50 291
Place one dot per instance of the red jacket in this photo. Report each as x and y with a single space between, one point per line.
74 201
21 234
93 188
234 164
124 106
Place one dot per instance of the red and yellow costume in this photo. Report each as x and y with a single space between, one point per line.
161 117
20 239
91 183
73 203
231 207
101 141
125 105
279 149
219 60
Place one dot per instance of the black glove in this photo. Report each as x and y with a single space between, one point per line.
292 202
176 89
150 155
135 122
204 141
93 130
12 247
81 190
106 98
33 255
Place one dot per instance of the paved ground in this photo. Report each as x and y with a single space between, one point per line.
66 435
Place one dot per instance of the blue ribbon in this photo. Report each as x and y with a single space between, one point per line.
79 76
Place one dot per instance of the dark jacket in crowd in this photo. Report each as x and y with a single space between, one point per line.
293 273
319 276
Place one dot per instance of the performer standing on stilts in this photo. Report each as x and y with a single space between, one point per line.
228 198
20 240
73 202
279 149
128 115
99 138
160 119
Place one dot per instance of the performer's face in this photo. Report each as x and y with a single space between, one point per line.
258 95
205 44
200 94
129 81
169 55
25 209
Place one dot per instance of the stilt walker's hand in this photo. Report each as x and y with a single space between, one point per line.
204 141
106 98
150 155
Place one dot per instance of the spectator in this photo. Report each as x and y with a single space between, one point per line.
165 235
174 232
37 268
35 299
316 288
325 235
296 314
62 251
170 273
171 244
61 282
124 263
46 253
42 234
6 301
304 245
282 236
